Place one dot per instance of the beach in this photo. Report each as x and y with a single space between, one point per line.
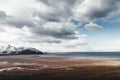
22 66
34 62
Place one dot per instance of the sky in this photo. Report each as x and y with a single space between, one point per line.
61 25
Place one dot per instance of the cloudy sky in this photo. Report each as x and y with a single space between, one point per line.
61 25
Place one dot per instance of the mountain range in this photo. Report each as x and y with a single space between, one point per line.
11 50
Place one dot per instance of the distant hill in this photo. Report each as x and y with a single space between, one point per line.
11 50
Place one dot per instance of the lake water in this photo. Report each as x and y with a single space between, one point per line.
87 54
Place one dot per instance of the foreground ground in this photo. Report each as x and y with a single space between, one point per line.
34 67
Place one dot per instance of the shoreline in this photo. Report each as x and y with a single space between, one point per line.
54 68
33 62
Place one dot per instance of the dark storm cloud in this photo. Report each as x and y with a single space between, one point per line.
92 9
38 40
67 3
56 30
53 41
107 6
61 10
15 22
2 15
48 17
19 23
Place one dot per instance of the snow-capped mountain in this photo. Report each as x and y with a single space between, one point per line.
18 50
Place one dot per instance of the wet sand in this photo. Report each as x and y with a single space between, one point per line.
27 66
35 62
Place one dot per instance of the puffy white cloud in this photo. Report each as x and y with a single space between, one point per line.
93 26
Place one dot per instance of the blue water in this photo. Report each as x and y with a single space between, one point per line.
87 54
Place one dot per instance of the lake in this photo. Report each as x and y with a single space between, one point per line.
86 54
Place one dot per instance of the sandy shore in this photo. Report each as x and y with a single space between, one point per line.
37 63
37 67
